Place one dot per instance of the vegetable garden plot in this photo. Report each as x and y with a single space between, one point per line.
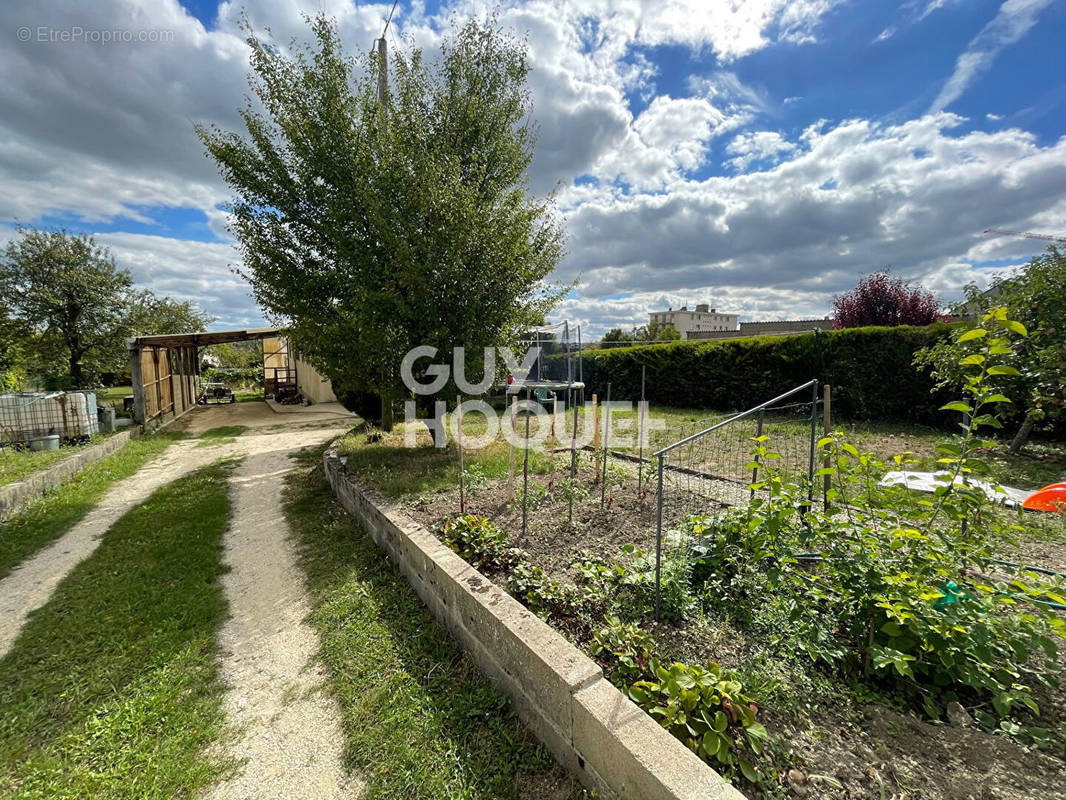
722 466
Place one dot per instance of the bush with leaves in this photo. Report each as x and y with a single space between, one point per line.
894 589
624 650
477 541
1034 298
705 707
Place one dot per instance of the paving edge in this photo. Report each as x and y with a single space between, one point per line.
13 496
592 729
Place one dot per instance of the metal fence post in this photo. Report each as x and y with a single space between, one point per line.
659 544
814 439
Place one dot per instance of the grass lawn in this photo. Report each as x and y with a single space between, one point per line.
17 464
419 719
44 520
111 689
113 396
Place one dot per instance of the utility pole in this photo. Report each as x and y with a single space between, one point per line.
383 70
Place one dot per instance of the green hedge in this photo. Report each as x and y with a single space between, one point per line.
869 369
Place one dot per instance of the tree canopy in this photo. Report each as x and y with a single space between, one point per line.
67 309
1034 297
368 229
880 299
67 288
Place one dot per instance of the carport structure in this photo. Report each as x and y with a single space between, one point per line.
164 370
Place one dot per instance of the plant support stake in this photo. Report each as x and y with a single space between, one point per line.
459 440
525 471
640 438
659 544
606 437
573 456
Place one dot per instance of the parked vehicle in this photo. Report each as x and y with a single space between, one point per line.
216 392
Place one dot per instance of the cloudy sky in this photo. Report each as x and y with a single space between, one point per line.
755 155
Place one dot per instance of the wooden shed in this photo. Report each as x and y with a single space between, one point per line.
164 370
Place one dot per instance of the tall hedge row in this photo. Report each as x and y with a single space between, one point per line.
869 369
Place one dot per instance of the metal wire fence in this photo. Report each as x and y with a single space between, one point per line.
711 469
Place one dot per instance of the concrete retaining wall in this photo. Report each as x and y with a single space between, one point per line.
15 495
593 730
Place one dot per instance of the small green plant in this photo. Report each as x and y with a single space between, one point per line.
477 541
627 589
533 496
625 649
475 478
706 709
542 596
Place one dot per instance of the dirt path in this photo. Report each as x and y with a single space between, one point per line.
29 585
291 741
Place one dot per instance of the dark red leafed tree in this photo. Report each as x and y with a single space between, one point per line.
883 300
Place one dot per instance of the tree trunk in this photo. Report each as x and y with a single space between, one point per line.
1022 436
387 420
76 375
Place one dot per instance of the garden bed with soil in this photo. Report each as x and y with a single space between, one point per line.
834 738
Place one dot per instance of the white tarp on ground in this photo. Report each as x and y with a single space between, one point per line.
929 481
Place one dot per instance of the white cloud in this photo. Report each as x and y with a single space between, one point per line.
858 196
1013 20
752 146
162 264
101 131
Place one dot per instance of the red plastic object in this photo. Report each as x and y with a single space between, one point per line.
1050 498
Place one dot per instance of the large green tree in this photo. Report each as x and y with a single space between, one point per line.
67 290
147 314
1035 296
368 227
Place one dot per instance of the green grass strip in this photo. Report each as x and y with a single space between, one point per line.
227 434
45 520
419 719
17 464
111 689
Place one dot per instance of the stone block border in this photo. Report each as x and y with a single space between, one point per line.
14 496
593 730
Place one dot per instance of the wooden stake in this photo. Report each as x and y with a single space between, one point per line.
596 433
459 440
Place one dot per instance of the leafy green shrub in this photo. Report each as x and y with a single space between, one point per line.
706 709
477 541
536 591
236 378
625 650
889 588
870 370
628 589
